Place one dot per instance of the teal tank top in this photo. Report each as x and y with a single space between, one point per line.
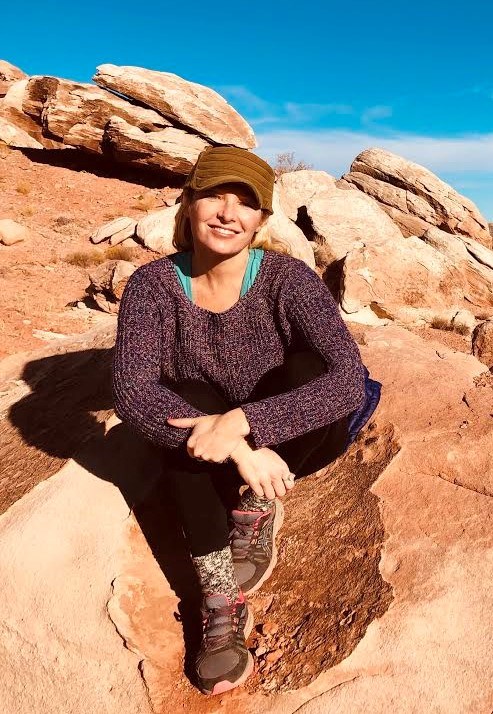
183 267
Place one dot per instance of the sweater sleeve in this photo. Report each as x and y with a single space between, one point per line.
314 313
141 400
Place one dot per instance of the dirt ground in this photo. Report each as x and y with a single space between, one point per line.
62 197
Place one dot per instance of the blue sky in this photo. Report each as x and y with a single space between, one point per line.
324 80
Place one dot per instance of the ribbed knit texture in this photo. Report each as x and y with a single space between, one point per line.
163 338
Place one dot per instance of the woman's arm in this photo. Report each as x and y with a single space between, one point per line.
140 399
314 313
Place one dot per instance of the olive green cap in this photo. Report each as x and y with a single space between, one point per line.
228 164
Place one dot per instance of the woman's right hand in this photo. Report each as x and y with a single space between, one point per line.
263 470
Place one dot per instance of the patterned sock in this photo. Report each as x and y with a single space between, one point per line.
249 501
216 573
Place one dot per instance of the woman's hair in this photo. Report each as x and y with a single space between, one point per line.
183 239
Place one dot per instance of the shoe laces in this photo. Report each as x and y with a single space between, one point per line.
245 535
220 625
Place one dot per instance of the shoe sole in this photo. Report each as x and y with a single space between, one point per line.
278 521
225 685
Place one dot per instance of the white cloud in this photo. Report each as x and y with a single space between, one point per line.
333 150
260 112
380 111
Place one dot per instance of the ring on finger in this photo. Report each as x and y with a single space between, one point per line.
289 477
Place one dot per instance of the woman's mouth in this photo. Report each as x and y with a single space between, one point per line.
223 231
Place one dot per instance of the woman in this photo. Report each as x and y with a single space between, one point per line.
232 356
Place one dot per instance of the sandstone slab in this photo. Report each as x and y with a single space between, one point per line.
342 218
191 105
108 282
16 137
118 225
409 280
414 197
407 509
11 111
155 231
77 113
284 229
9 74
299 188
172 149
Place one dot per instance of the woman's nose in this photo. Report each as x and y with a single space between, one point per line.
227 209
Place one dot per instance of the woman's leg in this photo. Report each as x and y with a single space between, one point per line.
223 660
310 451
256 520
203 490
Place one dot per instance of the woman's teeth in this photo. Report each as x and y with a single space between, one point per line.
223 231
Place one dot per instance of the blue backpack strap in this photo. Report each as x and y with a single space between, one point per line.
358 418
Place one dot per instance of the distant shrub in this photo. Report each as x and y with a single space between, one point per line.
85 259
120 252
440 323
286 162
146 201
23 187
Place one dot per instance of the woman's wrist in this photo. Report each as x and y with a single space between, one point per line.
239 452
240 420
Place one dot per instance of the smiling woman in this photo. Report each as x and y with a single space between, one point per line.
232 357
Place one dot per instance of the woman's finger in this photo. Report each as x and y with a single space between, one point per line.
257 489
280 489
268 489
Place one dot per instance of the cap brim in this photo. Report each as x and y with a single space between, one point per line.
227 178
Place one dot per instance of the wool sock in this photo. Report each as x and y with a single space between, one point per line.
216 573
249 501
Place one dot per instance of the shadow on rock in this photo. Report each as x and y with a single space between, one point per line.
64 417
105 167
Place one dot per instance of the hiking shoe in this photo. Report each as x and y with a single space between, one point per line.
223 661
253 545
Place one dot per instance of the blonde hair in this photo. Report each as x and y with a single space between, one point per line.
183 239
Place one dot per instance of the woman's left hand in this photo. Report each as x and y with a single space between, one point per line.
214 436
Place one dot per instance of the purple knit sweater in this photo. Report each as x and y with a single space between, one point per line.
163 338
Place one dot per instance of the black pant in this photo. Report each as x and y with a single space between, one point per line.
206 491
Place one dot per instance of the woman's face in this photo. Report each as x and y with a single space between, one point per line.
225 218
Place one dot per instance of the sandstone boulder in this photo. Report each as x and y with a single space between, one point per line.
155 231
108 282
282 228
9 73
11 110
77 113
186 103
342 218
298 188
170 148
482 343
12 232
414 197
14 136
407 280
115 227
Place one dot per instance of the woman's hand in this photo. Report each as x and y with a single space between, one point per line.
214 436
263 470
